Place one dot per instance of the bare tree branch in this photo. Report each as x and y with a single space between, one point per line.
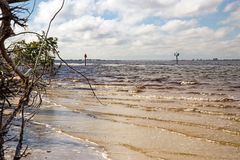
16 1
5 32
50 23
49 26
81 75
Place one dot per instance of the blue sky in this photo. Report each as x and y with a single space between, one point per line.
143 29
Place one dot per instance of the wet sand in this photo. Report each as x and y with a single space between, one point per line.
150 111
143 129
45 142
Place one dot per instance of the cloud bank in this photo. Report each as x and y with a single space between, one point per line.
143 29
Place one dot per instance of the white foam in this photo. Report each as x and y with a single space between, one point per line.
104 153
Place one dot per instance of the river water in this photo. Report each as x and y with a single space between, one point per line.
149 110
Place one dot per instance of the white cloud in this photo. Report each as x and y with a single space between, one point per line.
234 18
232 6
82 28
72 9
233 9
223 32
195 8
178 25
162 8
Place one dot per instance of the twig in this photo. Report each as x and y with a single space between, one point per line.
31 12
49 26
81 75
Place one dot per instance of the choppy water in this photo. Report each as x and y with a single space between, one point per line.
151 109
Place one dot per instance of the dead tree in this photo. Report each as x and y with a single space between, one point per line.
20 86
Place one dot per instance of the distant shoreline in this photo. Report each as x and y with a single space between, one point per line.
94 60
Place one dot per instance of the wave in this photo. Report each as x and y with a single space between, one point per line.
236 87
189 83
184 98
161 79
206 94
226 100
89 144
108 116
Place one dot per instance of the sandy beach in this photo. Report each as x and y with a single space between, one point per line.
119 80
153 120
45 142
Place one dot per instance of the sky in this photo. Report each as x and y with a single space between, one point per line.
142 29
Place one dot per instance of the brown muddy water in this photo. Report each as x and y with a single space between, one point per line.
151 110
